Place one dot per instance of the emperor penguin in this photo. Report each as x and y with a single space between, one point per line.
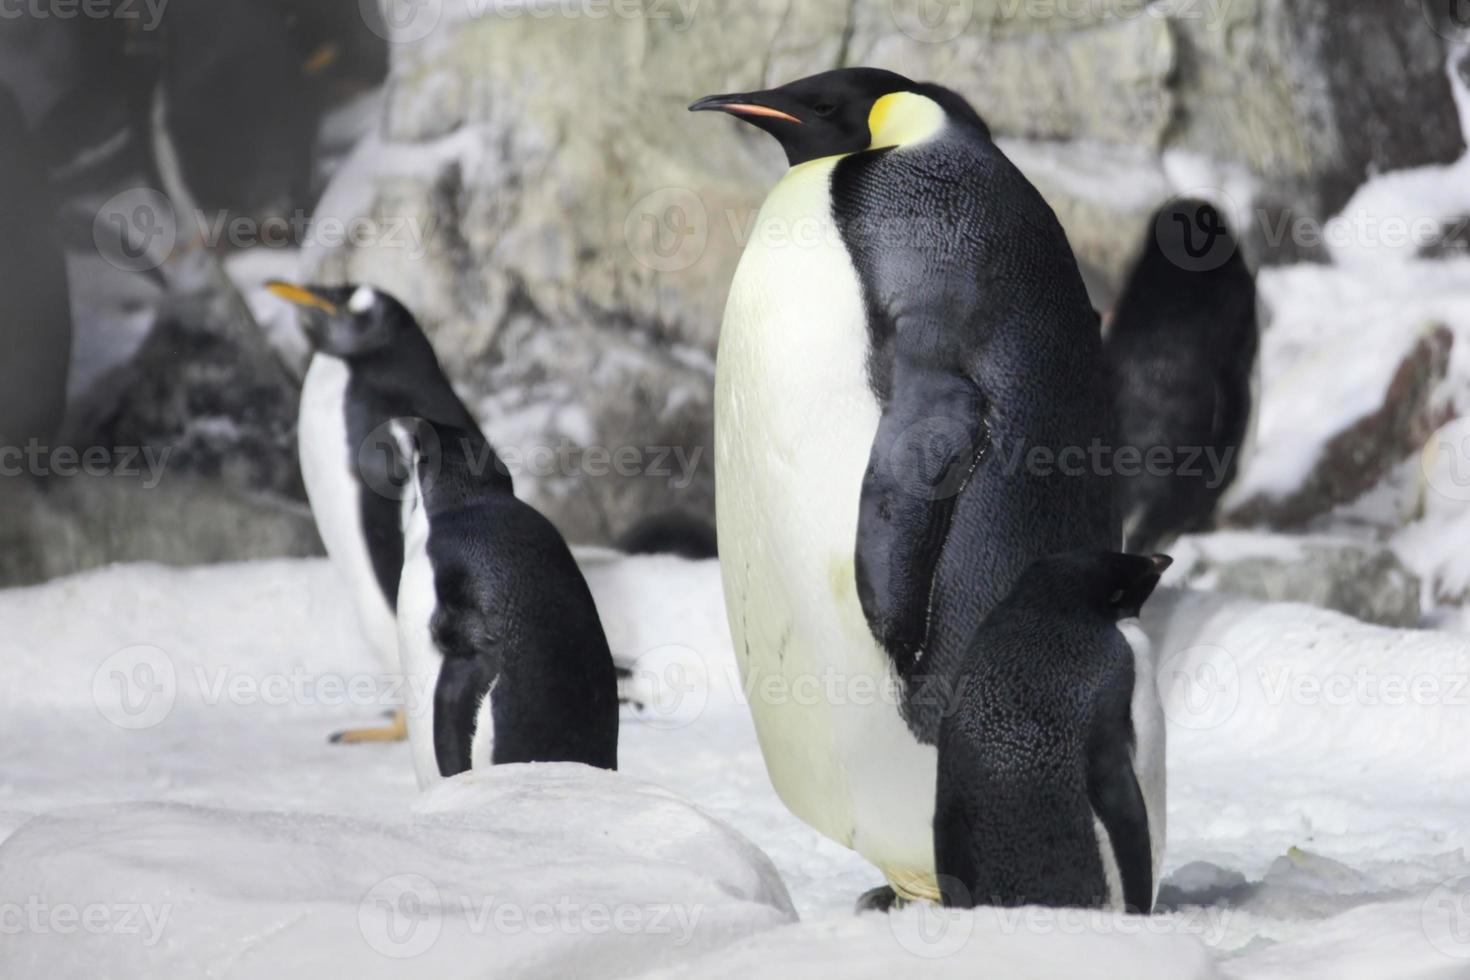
1182 350
371 364
908 379
1051 756
502 645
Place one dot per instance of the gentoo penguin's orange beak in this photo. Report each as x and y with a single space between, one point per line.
738 105
302 297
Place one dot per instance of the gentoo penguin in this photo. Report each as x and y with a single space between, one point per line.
1051 757
1182 352
907 328
371 364
502 645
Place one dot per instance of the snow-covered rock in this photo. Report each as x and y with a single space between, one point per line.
518 871
1363 579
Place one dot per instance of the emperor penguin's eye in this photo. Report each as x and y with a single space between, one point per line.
1116 597
824 108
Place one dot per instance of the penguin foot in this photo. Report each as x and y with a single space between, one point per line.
880 899
628 690
394 731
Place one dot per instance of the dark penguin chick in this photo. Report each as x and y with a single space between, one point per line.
674 532
1051 756
889 365
371 364
501 641
36 318
1182 353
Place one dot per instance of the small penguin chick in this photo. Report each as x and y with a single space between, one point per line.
501 640
1050 788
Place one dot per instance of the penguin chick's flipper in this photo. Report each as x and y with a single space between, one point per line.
1118 803
394 731
929 440
463 684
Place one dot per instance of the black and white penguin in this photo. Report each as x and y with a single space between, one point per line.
371 364
1051 757
502 645
1182 350
906 326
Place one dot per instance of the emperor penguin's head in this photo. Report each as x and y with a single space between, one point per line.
846 111
347 321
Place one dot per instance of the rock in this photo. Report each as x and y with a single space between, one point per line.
62 525
570 258
1358 448
1364 580
517 871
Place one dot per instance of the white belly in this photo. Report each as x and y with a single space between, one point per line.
422 659
327 469
1148 759
794 424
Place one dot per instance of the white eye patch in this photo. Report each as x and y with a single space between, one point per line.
362 300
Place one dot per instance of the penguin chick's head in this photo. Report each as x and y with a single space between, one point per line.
346 321
1109 584
845 111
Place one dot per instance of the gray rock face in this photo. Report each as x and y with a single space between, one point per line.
65 525
575 231
1364 580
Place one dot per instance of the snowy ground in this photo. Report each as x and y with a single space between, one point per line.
1316 813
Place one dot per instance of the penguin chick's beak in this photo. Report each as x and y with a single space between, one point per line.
741 105
302 297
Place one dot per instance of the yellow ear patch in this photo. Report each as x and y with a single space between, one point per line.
903 118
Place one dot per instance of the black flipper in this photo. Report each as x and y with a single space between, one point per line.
930 438
463 684
1118 803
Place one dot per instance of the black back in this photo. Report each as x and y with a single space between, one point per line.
513 611
984 346
1039 738
35 317
1182 350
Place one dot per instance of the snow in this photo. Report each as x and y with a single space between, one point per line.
1316 769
